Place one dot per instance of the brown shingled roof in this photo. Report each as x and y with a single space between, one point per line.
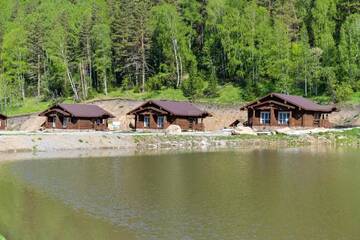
82 110
184 109
300 102
3 116
305 103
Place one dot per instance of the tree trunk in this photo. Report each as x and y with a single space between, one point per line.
88 50
82 81
176 62
69 76
39 76
181 68
306 81
85 83
105 84
143 58
22 87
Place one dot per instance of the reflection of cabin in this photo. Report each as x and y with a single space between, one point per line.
3 120
280 110
76 116
161 114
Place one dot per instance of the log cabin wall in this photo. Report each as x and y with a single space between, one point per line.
297 119
76 123
185 123
153 121
184 114
302 112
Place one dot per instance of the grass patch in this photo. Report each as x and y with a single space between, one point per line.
354 98
227 94
344 138
165 94
30 105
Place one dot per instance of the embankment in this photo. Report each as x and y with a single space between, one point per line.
61 142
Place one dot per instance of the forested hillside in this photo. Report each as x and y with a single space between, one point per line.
54 49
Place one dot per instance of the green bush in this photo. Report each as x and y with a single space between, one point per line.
343 92
193 86
211 90
229 94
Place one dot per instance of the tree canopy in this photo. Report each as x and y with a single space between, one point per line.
77 48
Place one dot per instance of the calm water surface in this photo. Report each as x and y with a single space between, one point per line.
259 194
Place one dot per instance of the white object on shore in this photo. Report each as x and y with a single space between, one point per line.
302 132
173 129
114 126
243 131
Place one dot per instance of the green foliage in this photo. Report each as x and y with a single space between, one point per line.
30 105
2 237
229 94
211 90
80 49
355 98
343 92
160 80
193 86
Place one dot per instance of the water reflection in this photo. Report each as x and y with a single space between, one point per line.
258 194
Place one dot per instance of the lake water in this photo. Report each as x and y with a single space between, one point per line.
253 194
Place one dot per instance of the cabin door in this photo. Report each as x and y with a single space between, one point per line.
52 121
317 120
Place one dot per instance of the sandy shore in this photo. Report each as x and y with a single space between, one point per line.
29 145
61 141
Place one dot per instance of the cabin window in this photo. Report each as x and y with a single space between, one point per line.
317 116
98 121
146 121
193 120
160 121
265 118
283 118
65 122
74 120
52 120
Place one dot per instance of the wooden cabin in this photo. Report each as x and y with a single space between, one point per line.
281 110
76 116
157 114
3 122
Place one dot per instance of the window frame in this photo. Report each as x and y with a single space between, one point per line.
162 122
265 121
283 120
65 122
147 123
53 121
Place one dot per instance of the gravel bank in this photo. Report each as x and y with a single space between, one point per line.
97 144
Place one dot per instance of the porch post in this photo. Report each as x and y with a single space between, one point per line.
291 123
272 117
253 117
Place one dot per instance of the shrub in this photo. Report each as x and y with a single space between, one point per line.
343 92
192 87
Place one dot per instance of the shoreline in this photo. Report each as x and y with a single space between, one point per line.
31 145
